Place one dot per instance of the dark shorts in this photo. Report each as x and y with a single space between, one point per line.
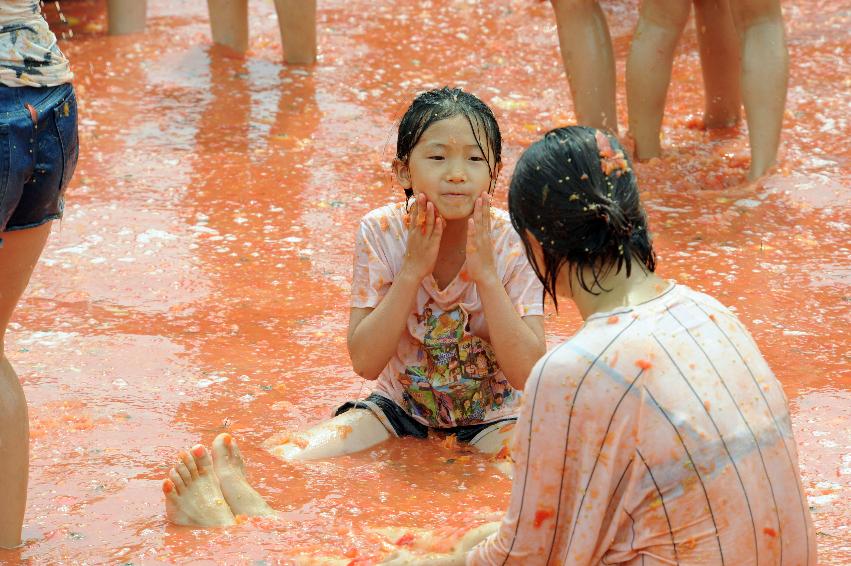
38 153
400 423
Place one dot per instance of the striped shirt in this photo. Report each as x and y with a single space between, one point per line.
29 55
656 435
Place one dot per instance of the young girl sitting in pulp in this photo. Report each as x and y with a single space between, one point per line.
446 315
657 434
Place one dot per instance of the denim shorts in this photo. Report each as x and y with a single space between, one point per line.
38 153
400 423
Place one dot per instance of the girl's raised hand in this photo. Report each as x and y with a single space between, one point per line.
425 228
481 264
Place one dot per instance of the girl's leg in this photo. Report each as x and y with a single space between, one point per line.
765 76
126 16
720 61
586 49
297 20
18 257
202 482
352 431
648 70
229 23
496 441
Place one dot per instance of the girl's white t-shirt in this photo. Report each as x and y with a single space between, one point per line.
29 55
444 372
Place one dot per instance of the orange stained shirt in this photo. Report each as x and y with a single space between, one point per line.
656 435
444 372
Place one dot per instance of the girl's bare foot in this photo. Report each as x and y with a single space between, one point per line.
192 493
230 469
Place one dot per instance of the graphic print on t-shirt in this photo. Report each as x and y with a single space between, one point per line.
29 55
457 381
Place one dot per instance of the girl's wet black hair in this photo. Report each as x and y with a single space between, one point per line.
440 104
580 201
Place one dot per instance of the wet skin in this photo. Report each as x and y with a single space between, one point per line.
150 324
210 489
18 256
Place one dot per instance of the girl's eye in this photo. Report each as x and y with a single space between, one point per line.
477 158
436 157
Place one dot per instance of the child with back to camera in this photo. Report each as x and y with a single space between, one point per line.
446 315
657 434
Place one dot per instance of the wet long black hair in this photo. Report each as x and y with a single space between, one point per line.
443 103
575 192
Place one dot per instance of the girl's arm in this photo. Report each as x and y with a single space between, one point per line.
518 342
456 557
374 333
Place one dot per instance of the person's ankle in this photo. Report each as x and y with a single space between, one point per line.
647 150
760 168
720 118
10 544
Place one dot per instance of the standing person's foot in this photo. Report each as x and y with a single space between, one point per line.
760 169
192 493
230 469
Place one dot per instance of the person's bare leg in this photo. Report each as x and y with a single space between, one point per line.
230 469
586 50
297 21
496 440
720 63
765 77
441 547
229 23
193 496
648 70
18 257
350 432
126 16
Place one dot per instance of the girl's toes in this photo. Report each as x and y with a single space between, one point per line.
234 449
203 462
226 444
169 489
176 481
184 472
189 462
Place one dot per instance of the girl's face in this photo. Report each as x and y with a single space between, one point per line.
448 167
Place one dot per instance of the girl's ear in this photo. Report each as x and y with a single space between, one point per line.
403 173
